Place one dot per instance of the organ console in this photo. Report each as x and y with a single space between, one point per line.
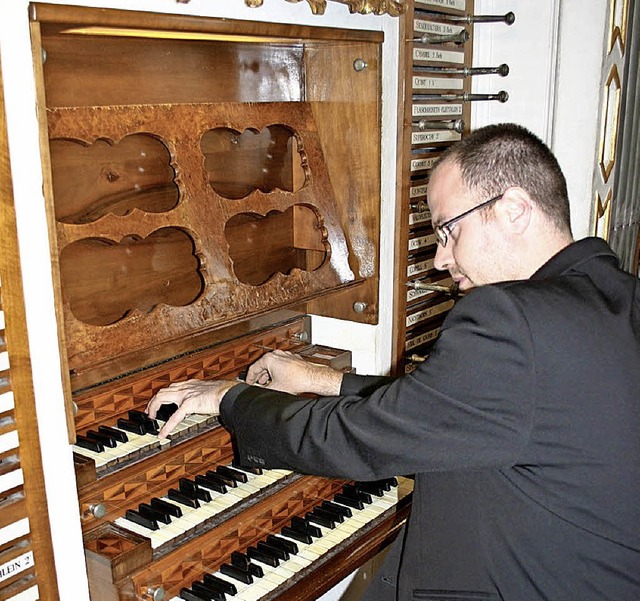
209 183
202 199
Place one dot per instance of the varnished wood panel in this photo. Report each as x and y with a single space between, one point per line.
202 215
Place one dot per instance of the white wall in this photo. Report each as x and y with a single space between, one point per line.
554 51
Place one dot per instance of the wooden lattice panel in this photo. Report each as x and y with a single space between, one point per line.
26 554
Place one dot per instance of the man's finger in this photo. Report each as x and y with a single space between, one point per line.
178 415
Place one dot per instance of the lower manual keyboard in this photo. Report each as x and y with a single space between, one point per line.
284 557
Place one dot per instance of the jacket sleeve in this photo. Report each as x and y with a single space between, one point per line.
469 406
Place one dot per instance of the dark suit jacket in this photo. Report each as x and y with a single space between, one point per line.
523 431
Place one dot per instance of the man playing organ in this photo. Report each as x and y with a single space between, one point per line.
521 427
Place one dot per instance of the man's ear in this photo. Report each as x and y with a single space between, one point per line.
515 209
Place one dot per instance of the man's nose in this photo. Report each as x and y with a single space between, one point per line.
442 259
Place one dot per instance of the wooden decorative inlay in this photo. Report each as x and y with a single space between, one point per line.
105 404
118 550
139 482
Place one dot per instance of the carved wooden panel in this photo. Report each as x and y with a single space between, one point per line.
182 277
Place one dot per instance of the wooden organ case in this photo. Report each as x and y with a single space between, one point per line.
209 184
436 73
26 570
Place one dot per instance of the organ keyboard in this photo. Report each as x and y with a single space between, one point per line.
302 547
142 518
183 511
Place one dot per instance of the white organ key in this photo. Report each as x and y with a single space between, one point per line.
136 444
141 443
4 360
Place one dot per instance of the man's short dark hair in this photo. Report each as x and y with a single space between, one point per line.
498 156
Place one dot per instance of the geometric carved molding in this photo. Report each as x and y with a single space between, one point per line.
618 24
602 216
609 123
364 7
610 104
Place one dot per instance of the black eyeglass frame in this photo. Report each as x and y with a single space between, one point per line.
443 230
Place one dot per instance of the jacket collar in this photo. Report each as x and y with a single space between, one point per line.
570 257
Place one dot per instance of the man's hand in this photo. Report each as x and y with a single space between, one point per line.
192 396
284 371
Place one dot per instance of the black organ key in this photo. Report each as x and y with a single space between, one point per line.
203 495
372 488
301 537
277 552
166 411
238 476
283 543
351 491
210 483
189 595
88 443
349 501
180 497
215 477
153 513
209 593
240 574
130 426
251 470
193 490
241 561
270 560
134 516
256 570
166 507
150 425
220 584
119 435
337 509
320 520
105 439
334 517
302 525
228 480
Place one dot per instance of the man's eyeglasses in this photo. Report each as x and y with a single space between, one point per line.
443 230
